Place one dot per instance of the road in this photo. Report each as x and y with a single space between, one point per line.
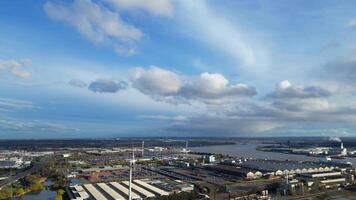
35 167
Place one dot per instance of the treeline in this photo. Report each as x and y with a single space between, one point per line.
28 184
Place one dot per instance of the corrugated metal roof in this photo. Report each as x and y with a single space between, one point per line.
94 192
110 191
152 188
81 191
139 189
125 190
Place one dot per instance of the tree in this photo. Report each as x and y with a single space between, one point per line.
6 192
34 182
19 191
59 195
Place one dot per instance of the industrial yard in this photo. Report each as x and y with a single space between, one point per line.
156 172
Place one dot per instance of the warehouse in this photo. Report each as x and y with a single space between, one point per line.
152 188
77 192
112 193
140 190
322 175
236 171
285 167
94 192
125 190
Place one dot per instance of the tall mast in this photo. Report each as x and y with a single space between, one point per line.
132 162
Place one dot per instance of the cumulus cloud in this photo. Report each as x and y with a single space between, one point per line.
77 83
155 7
157 81
160 83
15 67
96 23
109 86
285 89
214 86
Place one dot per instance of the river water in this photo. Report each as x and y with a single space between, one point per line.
45 194
249 151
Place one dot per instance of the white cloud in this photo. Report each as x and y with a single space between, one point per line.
156 81
155 7
168 86
97 23
214 86
15 67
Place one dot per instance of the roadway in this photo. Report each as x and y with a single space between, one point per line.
34 168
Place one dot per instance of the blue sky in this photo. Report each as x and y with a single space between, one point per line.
115 68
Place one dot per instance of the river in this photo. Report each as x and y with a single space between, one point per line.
45 194
249 151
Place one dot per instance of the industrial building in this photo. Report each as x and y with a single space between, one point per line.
152 188
235 170
286 167
77 192
13 163
115 191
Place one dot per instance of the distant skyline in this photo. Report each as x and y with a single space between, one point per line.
121 68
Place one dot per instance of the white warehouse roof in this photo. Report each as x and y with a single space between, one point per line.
125 190
152 188
139 189
94 192
111 192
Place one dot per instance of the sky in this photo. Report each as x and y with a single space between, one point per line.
167 68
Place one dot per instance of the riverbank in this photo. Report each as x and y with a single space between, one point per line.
30 184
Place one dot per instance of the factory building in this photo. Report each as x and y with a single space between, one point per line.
77 192
114 191
154 189
236 171
209 159
12 163
327 179
280 168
